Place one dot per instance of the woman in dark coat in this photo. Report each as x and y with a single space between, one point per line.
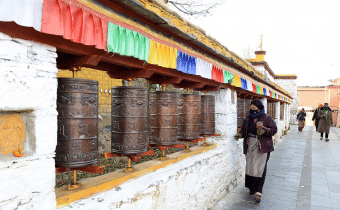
325 121
257 131
315 116
301 119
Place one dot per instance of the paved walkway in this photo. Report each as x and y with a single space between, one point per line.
303 173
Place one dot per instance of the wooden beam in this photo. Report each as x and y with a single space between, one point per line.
166 80
242 95
190 85
90 61
131 74
208 88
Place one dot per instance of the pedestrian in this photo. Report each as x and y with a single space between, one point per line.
325 121
301 119
257 130
315 116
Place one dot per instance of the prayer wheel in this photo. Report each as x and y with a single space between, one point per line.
77 106
207 114
189 116
163 117
128 120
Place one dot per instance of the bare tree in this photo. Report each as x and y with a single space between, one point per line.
195 8
248 52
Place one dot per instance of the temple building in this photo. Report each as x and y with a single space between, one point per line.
286 81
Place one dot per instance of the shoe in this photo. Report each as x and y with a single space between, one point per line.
257 197
321 138
327 139
252 193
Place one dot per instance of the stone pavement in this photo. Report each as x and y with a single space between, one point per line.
303 173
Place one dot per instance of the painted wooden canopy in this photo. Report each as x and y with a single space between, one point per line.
130 39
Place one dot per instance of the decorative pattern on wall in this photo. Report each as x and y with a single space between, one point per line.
12 133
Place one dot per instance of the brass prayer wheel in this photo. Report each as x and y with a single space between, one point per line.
189 116
163 117
207 114
77 106
128 120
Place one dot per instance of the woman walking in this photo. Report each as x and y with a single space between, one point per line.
325 121
257 131
301 119
315 116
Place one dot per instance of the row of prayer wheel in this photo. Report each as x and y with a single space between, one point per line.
172 116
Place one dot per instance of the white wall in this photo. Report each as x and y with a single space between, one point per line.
291 87
287 115
28 86
264 102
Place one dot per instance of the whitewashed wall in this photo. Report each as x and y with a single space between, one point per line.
287 115
264 102
291 87
195 183
28 86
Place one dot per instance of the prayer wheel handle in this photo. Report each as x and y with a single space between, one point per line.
259 125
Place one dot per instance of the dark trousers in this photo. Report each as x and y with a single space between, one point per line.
255 184
316 124
325 135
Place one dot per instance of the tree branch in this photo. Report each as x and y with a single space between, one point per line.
195 7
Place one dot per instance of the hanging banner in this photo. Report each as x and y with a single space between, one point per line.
250 86
203 68
228 77
244 84
74 23
191 65
236 81
217 74
186 63
258 89
254 88
130 43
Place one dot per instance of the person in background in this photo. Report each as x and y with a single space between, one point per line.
257 130
301 119
315 116
325 121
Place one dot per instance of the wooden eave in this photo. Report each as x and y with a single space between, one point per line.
286 77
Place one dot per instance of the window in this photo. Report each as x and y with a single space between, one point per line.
271 109
243 106
282 111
